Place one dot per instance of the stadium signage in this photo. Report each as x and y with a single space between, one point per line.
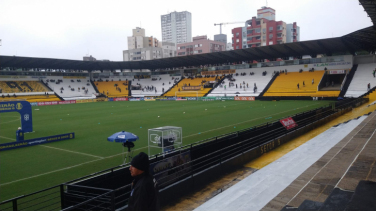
224 98
149 99
245 98
134 99
181 99
337 72
288 123
35 141
208 98
331 64
217 72
56 102
191 87
121 99
191 98
23 108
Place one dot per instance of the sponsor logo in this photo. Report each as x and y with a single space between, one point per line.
288 123
245 98
120 99
191 98
26 117
331 64
19 106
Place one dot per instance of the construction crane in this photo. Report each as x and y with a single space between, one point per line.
220 25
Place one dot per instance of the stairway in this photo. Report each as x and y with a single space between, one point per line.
181 78
348 80
269 84
219 82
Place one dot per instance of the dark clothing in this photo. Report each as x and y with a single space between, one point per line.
144 194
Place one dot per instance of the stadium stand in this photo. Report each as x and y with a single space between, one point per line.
362 77
22 86
71 88
258 189
246 81
178 91
160 83
31 98
286 85
113 88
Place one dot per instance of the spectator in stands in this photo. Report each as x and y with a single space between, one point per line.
144 193
285 71
303 84
313 81
236 85
374 72
369 86
298 85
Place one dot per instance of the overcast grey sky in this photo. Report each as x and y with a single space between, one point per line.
71 29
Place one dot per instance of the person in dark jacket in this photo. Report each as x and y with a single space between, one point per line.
144 193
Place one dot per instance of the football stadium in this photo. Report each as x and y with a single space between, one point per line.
264 128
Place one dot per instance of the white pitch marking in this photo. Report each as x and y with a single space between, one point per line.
72 151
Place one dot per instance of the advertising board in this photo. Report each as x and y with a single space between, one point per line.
288 123
244 98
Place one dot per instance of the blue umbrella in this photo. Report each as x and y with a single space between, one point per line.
122 137
127 139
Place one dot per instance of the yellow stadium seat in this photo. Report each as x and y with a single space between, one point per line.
25 86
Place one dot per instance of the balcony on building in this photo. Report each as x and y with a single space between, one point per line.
279 35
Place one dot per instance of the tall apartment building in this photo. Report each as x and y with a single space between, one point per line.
141 47
89 58
177 27
200 45
139 40
264 30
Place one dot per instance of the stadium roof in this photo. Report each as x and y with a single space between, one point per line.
370 8
361 40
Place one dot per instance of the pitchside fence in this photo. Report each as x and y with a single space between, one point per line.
209 159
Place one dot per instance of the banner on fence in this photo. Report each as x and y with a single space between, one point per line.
35 141
191 98
181 99
184 88
245 98
149 99
208 98
120 99
288 123
177 165
224 98
217 72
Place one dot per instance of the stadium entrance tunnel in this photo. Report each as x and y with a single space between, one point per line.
24 109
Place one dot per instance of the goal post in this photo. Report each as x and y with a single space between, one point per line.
182 93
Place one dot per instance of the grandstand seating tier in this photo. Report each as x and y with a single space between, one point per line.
258 79
362 77
32 98
167 80
22 86
191 93
286 85
67 93
111 90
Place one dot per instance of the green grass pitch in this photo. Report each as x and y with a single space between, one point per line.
29 169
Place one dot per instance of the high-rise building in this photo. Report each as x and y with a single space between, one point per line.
220 38
139 40
141 47
200 45
177 27
264 30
